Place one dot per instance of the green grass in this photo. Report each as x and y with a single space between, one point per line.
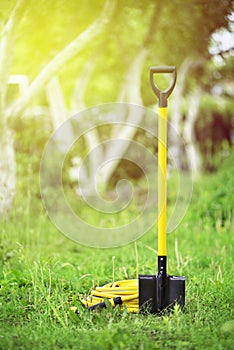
43 274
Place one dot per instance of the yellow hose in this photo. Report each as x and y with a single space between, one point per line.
127 290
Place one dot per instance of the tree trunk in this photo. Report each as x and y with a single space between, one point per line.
7 154
6 52
176 147
56 101
78 96
131 94
176 115
58 112
7 172
188 134
91 137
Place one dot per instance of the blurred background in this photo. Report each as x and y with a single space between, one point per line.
58 58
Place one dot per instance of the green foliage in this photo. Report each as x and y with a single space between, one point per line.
218 206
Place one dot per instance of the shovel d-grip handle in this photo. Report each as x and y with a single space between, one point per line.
162 95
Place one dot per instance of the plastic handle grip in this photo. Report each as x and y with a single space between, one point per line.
162 69
163 95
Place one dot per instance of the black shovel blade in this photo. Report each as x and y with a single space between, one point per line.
160 292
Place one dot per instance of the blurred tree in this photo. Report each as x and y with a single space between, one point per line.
46 35
196 21
7 160
130 92
166 32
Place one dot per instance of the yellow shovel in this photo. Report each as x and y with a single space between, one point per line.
161 291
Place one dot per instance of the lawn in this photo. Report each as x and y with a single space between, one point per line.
43 274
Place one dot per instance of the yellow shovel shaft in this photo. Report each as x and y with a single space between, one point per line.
162 181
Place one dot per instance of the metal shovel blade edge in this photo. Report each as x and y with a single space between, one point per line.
160 292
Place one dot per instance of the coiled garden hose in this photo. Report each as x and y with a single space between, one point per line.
118 293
